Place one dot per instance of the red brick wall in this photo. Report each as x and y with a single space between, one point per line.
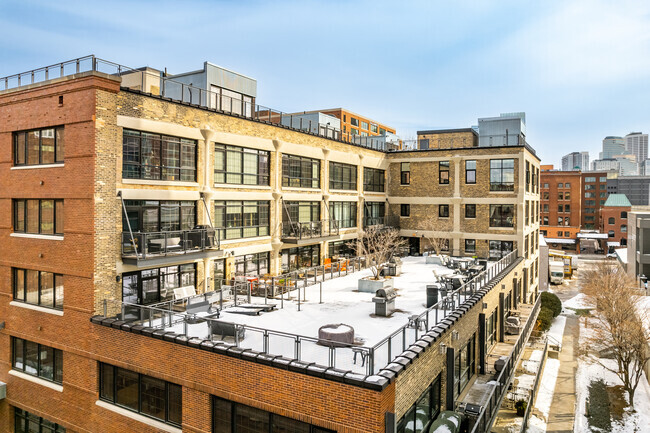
614 212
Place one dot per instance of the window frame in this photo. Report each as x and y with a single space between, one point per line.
25 419
499 184
295 164
58 151
468 214
263 165
343 169
344 223
405 174
443 172
57 360
443 211
139 410
57 221
469 170
55 277
471 249
502 220
374 179
243 230
162 144
405 210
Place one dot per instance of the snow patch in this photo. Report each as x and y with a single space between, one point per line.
547 386
578 302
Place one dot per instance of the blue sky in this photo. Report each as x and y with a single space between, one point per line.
580 69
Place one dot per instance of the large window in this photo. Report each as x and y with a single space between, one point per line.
341 248
499 249
443 211
298 171
502 215
470 210
25 422
242 219
38 288
43 217
470 245
40 146
301 257
374 213
231 417
151 286
140 393
443 172
425 410
463 366
470 172
502 175
373 179
159 216
158 157
240 165
405 173
252 264
344 213
37 360
405 210
343 176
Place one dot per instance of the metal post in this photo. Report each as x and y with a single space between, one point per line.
321 294
105 307
298 300
250 286
185 327
266 293
273 286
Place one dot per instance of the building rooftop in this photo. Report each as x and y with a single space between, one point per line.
617 200
447 131
287 329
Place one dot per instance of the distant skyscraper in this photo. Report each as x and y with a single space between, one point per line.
575 161
636 143
612 146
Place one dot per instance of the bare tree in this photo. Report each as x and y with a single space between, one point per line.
378 244
435 241
617 326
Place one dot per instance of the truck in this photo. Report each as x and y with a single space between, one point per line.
556 271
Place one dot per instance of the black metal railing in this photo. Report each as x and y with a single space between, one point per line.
143 245
309 230
484 421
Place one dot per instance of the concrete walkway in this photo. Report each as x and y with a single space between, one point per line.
562 413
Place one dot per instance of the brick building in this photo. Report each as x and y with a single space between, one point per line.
594 195
118 203
613 219
561 210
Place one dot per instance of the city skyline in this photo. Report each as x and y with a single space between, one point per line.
411 75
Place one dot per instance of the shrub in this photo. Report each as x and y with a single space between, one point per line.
521 405
552 302
544 319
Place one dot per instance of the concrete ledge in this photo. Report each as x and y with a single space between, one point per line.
37 380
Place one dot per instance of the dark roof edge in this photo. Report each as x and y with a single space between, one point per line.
447 131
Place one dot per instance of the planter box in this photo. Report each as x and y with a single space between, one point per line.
371 286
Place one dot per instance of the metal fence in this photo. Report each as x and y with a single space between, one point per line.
146 244
171 316
484 421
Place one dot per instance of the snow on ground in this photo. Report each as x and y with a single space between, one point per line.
588 371
547 386
536 425
343 303
556 333
531 365
578 302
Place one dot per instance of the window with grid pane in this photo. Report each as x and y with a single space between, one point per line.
242 219
157 157
373 179
343 176
301 172
37 360
502 175
38 216
39 147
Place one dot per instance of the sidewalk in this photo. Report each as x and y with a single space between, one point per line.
562 413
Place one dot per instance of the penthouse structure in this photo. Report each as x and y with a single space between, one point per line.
127 207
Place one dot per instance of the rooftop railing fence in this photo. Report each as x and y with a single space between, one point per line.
154 82
307 349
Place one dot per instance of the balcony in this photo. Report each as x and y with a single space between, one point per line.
160 248
303 233
388 221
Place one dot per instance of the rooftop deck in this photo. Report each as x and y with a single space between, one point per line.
289 328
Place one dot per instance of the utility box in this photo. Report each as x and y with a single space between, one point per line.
384 302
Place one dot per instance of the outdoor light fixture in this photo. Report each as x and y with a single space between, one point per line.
118 278
485 305
442 348
454 335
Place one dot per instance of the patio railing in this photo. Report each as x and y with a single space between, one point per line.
309 230
143 245
484 421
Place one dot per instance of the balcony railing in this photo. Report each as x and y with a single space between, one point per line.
388 221
145 245
309 230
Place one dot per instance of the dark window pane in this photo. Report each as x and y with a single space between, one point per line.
152 397
47 146
19 284
251 420
221 416
31 358
107 380
32 216
19 216
19 148
47 289
47 217
175 404
287 425
32 287
46 368
127 388
58 291
58 363
58 229
60 144
33 151
19 354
